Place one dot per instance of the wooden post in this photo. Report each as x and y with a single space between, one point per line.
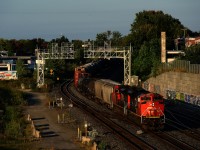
58 118
80 135
29 117
63 118
33 131
49 104
78 132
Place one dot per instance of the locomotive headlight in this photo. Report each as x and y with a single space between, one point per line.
152 104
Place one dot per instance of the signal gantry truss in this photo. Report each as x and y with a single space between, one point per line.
108 53
66 51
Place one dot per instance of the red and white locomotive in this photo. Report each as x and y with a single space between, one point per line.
147 107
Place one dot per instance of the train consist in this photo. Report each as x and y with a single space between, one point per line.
147 107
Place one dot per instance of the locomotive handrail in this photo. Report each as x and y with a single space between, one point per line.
154 117
162 114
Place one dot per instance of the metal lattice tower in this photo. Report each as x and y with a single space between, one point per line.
66 51
108 53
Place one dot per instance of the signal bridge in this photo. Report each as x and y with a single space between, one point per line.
108 53
66 51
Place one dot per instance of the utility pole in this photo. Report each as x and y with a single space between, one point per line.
184 31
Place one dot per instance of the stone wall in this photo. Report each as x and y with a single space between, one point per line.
176 85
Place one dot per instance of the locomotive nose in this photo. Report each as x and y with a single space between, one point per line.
152 111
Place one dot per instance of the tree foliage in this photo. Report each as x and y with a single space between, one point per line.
114 38
22 47
192 54
149 25
145 37
146 59
60 40
10 101
21 69
101 38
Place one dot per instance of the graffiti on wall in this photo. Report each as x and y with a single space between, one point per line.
188 98
173 94
151 87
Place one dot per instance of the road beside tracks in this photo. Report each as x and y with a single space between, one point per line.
54 135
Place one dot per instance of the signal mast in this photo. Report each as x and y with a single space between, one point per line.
65 51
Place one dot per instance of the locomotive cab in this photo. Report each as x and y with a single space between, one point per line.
116 95
151 109
78 74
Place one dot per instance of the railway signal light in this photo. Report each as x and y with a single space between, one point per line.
51 72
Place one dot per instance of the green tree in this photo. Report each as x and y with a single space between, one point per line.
142 64
109 36
12 129
3 44
149 25
77 44
21 70
60 40
101 38
145 38
11 122
116 39
58 66
192 54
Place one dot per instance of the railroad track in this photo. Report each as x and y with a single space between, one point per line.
125 135
176 143
170 140
193 134
179 124
185 115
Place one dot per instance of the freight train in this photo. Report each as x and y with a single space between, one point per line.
147 107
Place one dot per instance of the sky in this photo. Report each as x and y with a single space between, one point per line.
84 19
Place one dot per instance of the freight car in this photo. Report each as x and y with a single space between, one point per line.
89 69
147 107
104 90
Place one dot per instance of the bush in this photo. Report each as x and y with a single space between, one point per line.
11 101
12 129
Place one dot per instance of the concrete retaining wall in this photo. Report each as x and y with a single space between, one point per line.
176 85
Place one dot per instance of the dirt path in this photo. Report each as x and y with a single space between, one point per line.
54 135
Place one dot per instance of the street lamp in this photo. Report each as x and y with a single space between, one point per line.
85 128
46 71
61 102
